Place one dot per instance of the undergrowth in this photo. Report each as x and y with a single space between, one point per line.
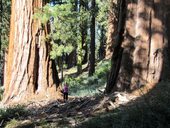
84 85
1 92
149 111
12 113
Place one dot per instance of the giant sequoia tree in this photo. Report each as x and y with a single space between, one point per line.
112 27
30 73
141 50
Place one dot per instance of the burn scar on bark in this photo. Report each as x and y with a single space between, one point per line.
157 51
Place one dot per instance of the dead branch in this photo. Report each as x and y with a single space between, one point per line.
83 104
1 123
56 105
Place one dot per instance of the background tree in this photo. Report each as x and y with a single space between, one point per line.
82 52
67 32
66 36
84 29
92 43
30 71
101 27
5 7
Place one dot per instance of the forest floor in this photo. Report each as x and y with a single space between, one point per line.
141 109
146 107
71 113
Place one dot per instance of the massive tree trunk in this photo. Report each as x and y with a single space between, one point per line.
145 56
31 74
112 27
118 50
92 43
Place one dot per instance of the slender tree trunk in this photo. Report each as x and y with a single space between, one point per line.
1 6
31 74
79 42
83 44
62 63
71 59
1 13
92 44
102 43
84 30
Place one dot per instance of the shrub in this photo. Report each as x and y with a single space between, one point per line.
16 112
83 85
1 92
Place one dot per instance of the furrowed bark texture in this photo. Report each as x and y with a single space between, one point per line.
118 50
145 58
30 72
112 27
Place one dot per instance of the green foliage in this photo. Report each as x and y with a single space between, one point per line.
11 115
12 124
5 12
4 25
19 124
1 92
61 33
58 50
16 112
64 26
102 68
79 52
102 15
42 14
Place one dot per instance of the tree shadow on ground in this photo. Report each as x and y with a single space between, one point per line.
151 110
148 111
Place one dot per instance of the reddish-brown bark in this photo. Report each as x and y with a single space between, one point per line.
31 74
145 58
112 27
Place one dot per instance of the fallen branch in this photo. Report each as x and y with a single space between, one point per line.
83 104
54 105
1 123
101 103
111 103
101 90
